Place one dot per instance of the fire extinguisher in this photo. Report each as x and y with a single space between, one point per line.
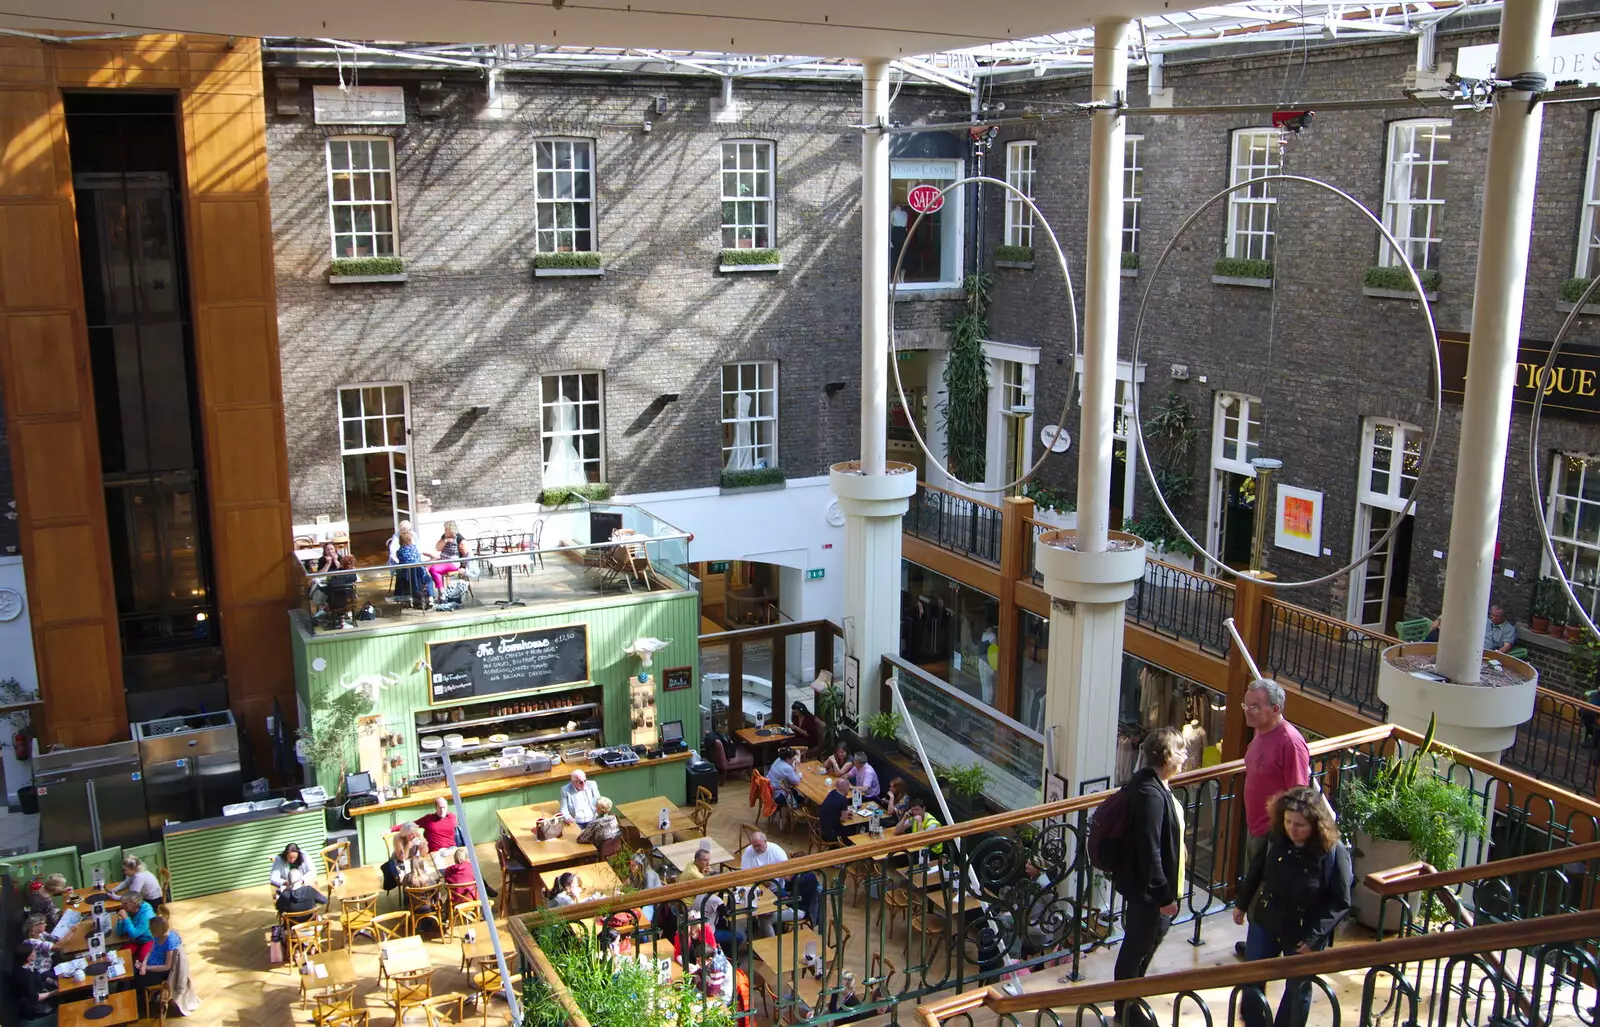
22 744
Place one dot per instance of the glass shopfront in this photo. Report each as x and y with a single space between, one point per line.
950 630
1153 697
1032 659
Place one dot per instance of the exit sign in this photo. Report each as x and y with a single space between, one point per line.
816 573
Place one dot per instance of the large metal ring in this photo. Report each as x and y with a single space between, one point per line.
1433 338
894 362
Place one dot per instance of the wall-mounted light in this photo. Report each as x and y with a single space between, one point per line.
648 126
833 388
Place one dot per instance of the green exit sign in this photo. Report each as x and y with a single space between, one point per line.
816 573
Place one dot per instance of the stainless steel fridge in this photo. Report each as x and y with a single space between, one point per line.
92 798
191 767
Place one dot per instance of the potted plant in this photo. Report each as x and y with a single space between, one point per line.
329 741
1539 615
1405 811
830 707
1583 658
13 694
1057 507
885 726
1573 626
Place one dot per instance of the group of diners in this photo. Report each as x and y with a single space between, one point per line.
52 938
850 771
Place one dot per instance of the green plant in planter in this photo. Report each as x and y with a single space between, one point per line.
1047 498
330 739
1583 657
619 993
886 725
1239 267
559 495
969 781
830 707
966 381
1130 261
752 477
1014 254
1384 276
1572 289
750 258
1544 592
587 260
1403 803
357 266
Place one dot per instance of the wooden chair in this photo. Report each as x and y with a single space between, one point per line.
439 1011
515 877
356 914
292 920
331 1002
859 876
819 843
305 940
157 999
424 904
745 831
881 986
465 909
931 926
357 1017
165 877
388 927
410 990
486 984
701 817
895 904
335 857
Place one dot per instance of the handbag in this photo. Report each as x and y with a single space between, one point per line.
391 874
548 829
275 945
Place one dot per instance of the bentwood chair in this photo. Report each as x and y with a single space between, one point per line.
446 1009
426 904
465 909
360 1016
332 1002
486 984
516 878
157 999
407 991
356 914
335 858
881 985
389 927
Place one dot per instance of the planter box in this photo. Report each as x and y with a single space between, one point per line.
1370 854
1399 294
1106 577
1588 309
1251 283
1482 719
1130 272
362 279
907 295
1020 265
734 269
569 272
775 486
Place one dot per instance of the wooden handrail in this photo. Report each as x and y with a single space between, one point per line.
956 495
1518 934
764 630
1418 876
1582 705
1578 803
529 947
1335 622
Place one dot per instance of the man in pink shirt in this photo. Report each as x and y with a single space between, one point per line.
1276 760
439 827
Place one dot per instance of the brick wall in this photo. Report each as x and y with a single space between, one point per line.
1320 354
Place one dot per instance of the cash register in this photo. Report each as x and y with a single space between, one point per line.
672 737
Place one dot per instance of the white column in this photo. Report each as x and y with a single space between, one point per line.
934 433
874 267
1090 583
1503 236
1102 289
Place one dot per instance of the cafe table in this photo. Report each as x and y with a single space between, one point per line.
331 969
595 880
520 822
758 738
681 854
645 817
364 880
68 984
124 1009
403 955
77 938
482 945
867 839
814 786
790 964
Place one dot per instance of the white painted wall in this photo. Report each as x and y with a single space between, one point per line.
16 661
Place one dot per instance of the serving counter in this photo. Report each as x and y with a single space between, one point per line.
223 853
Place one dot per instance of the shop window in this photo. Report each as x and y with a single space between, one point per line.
1132 191
1236 437
572 419
950 630
932 257
1589 229
747 192
749 415
1574 514
1019 175
361 211
1251 211
564 195
1413 190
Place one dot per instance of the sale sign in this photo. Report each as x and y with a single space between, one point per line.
925 199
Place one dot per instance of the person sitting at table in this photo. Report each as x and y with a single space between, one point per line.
406 843
451 546
839 762
830 814
785 777
439 827
138 880
393 545
35 934
340 592
603 828
700 867
329 560
863 776
459 877
643 876
300 898
156 964
34 985
290 869
763 853
807 727
898 800
714 972
918 819
134 927
567 890
710 910
41 894
418 584
580 799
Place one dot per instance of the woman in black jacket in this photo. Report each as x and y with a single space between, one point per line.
1297 891
1150 869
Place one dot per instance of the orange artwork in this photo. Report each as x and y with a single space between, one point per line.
1297 517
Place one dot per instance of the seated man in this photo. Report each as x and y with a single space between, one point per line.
439 827
917 819
701 867
863 776
580 798
763 853
1499 634
833 809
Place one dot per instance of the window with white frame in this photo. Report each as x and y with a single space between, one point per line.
1574 514
361 213
930 257
749 415
1019 175
1413 190
1589 229
747 179
1251 211
1391 456
572 415
1236 433
1132 191
564 195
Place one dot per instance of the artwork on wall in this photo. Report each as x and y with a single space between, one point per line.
676 679
852 689
1299 521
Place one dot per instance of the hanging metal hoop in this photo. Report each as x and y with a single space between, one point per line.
1540 518
894 362
1433 339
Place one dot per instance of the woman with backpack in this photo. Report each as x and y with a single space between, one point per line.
1297 891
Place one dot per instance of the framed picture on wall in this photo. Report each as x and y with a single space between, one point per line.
676 679
852 689
1299 520
1055 787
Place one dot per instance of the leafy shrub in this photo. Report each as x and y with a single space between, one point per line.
968 782
562 494
352 266
750 258
1402 804
589 260
1382 276
885 725
611 994
1017 254
1572 289
754 476
1238 267
1047 498
1130 262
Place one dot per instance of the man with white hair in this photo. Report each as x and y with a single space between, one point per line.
1275 761
580 799
763 853
394 541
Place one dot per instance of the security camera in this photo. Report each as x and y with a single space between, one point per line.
1292 121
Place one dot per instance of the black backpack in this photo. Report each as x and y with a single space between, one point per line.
1107 827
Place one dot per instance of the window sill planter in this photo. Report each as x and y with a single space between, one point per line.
1253 274
569 272
1130 272
365 279
567 495
1589 309
735 269
735 261
1399 294
1013 256
1018 265
1251 283
733 490
568 265
756 479
911 295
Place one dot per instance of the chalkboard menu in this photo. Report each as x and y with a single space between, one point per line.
473 668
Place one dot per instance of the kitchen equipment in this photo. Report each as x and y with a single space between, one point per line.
424 717
191 766
538 763
454 742
92 797
496 739
514 751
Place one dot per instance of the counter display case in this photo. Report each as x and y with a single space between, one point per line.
554 723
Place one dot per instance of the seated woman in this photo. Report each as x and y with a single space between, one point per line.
567 891
35 934
157 962
785 777
459 877
451 547
134 927
341 592
897 800
415 581
643 876
406 843
806 727
33 984
604 827
138 880
290 869
41 895
839 763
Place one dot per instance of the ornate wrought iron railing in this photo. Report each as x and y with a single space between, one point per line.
955 522
1325 655
1183 604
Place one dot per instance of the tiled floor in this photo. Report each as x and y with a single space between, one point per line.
19 831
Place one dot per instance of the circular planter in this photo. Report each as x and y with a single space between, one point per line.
1106 577
1056 518
873 495
1481 719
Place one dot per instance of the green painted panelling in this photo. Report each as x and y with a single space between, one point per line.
232 856
391 654
30 865
108 860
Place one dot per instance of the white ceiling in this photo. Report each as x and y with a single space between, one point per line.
819 28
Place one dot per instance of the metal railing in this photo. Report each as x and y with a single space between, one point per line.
1183 604
954 522
1560 744
1325 656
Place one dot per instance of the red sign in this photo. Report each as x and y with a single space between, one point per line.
925 199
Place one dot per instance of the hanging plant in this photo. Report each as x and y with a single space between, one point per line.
966 383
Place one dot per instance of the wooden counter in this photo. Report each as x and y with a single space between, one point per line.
557 774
